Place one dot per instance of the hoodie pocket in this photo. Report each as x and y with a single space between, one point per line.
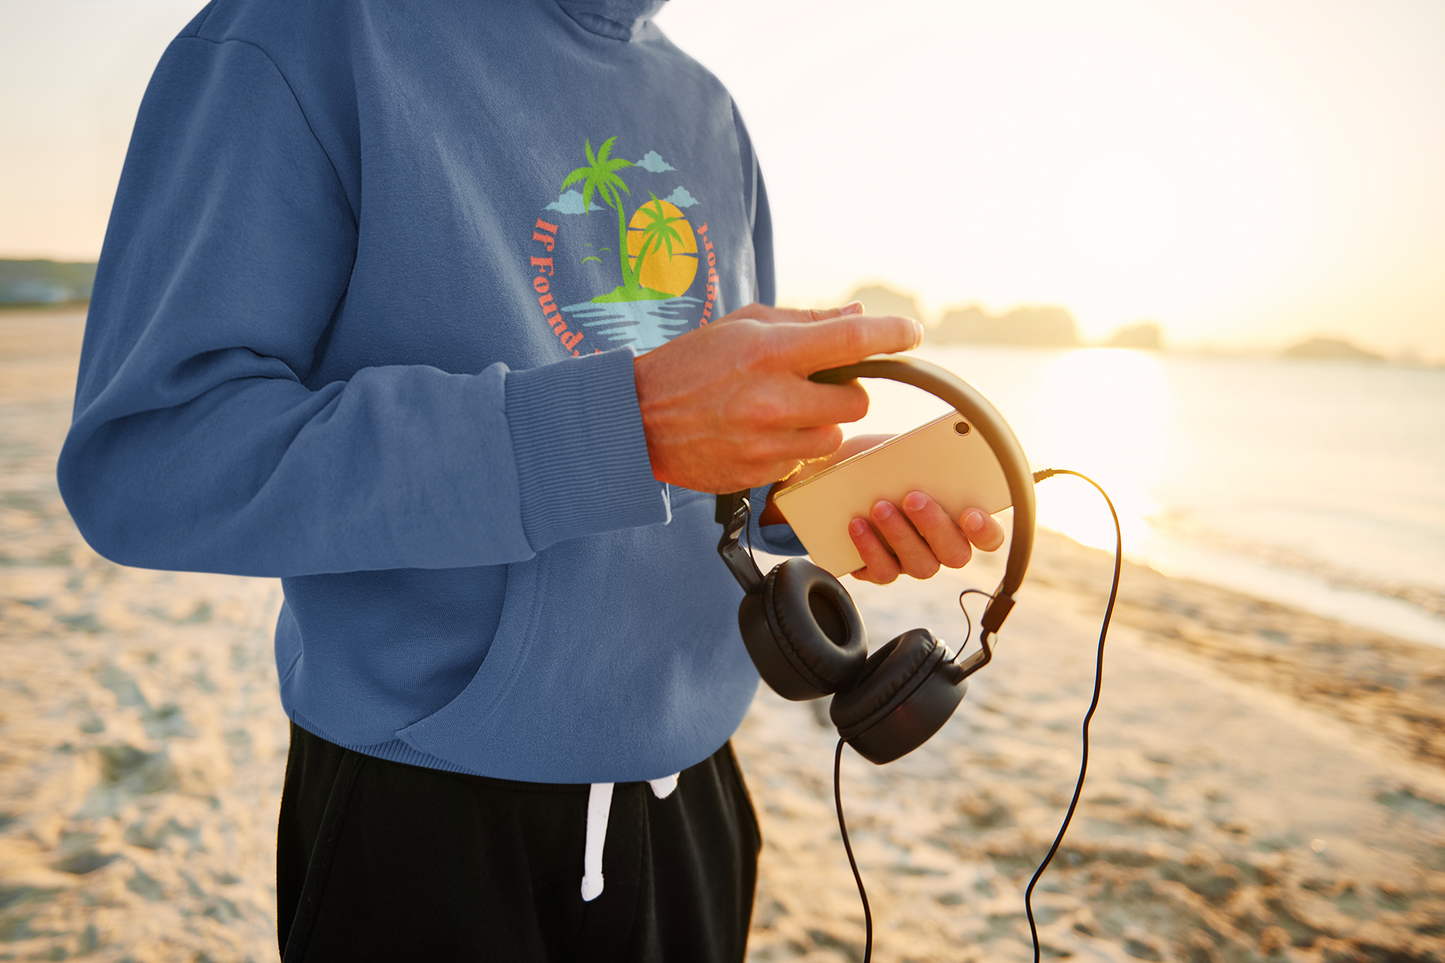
617 659
465 717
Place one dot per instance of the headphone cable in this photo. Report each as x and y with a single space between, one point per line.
848 848
1083 765
1093 706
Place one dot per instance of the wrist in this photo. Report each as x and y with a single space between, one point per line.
771 515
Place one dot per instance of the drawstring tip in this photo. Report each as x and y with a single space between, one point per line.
591 888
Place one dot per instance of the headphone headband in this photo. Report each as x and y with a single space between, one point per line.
977 409
806 636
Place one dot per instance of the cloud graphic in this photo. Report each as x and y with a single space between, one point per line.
652 161
570 203
681 198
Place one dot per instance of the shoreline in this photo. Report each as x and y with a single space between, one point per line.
39 347
1264 784
1409 611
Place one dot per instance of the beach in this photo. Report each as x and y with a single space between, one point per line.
1264 783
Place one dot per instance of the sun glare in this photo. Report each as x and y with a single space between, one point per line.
1122 212
1103 412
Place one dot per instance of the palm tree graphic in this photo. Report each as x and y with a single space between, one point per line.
659 231
600 177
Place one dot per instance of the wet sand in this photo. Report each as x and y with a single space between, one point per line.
1264 784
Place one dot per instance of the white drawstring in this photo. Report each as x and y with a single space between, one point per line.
662 788
599 807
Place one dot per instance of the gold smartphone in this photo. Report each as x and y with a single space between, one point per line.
946 459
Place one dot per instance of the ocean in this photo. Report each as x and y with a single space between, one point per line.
1318 484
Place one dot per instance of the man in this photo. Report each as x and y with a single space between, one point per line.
450 314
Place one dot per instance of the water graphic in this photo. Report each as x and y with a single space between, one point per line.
642 324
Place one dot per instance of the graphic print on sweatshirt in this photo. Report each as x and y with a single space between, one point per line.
605 279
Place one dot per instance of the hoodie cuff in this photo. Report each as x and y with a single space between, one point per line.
581 454
775 539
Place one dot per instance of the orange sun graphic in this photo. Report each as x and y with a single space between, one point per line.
661 271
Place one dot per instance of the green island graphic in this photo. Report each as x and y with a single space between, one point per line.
600 177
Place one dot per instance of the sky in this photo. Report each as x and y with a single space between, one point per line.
1244 173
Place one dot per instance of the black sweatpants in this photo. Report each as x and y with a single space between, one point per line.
379 860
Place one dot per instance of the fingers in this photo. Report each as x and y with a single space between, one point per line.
892 546
949 545
983 530
852 307
730 405
780 455
812 465
802 404
769 313
825 314
914 552
829 337
919 538
844 340
879 564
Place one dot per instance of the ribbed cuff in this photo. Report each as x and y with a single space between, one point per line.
581 454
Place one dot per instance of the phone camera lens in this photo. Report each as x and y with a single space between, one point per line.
961 427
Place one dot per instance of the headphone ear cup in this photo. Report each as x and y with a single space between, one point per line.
803 631
904 695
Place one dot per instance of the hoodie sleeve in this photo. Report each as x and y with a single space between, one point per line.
196 443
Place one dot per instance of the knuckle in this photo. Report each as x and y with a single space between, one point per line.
877 573
824 441
925 570
957 557
760 410
854 338
752 309
881 566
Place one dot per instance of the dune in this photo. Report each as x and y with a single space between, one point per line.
1264 783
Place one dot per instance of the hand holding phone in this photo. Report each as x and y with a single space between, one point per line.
945 459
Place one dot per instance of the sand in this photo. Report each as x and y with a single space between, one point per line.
1264 784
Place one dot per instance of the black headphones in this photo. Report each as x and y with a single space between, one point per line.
805 634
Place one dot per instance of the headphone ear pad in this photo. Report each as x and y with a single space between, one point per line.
900 700
803 631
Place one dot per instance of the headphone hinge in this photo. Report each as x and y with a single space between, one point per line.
733 511
977 661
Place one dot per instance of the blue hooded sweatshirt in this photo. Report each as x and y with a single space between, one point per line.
365 320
